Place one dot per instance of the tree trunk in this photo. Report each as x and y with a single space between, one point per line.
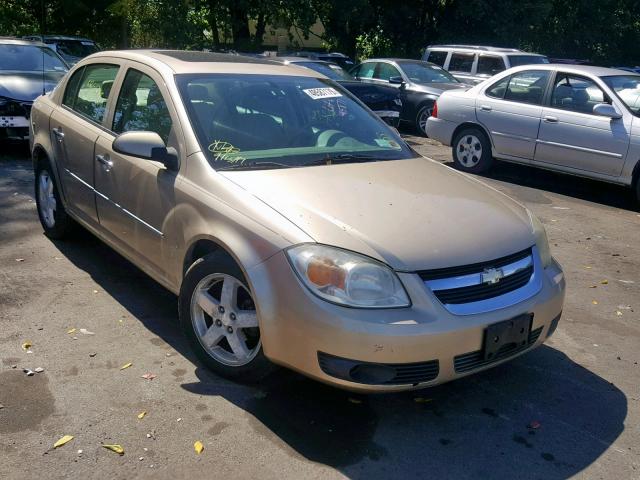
239 14
212 19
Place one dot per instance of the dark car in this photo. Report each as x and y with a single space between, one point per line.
27 70
333 57
383 100
419 83
71 48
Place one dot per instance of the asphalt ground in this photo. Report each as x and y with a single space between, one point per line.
567 409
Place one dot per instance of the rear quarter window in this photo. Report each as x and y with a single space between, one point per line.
437 57
461 62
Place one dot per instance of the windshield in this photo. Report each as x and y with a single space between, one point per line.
422 72
517 60
269 121
75 48
334 72
28 58
627 87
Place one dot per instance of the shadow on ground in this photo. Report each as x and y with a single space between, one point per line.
477 427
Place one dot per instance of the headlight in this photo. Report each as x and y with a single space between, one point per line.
347 278
541 240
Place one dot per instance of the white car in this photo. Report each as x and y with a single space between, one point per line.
574 119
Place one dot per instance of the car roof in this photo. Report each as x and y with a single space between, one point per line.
191 61
60 37
396 60
304 60
485 48
577 69
20 41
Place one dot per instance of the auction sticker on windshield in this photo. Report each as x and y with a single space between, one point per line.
318 93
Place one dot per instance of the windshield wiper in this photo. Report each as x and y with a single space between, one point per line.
344 158
254 166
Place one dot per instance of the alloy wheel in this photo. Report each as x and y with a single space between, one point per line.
425 113
46 199
224 319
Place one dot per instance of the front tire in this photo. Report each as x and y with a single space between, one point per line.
57 224
471 151
218 316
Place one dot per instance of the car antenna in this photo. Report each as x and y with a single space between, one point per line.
44 92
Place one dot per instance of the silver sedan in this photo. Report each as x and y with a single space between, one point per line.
574 119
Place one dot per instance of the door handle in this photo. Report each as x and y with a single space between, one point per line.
58 133
106 162
550 119
485 108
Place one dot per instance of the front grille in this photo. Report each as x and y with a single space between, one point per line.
484 291
473 267
378 373
472 360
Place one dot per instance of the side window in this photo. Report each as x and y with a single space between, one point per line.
489 65
71 91
88 94
461 62
578 94
437 57
385 71
366 70
527 87
498 89
141 106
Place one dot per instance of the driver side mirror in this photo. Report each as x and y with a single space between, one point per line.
606 110
397 81
147 145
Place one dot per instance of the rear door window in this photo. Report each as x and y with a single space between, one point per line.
490 65
461 62
89 93
437 57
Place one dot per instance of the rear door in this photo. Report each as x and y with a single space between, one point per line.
488 66
75 127
572 136
135 196
461 66
510 109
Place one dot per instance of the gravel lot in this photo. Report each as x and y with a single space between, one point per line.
581 390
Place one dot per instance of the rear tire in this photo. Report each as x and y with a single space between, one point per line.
57 224
218 317
471 151
421 119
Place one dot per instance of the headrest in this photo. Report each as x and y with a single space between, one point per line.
105 88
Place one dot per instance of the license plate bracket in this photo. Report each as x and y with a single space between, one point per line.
514 331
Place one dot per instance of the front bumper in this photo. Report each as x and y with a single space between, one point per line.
441 130
296 327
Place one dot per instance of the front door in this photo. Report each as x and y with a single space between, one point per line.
510 110
74 131
572 136
135 196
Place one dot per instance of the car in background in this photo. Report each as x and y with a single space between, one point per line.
71 48
294 226
474 64
419 83
338 58
575 119
27 70
635 69
383 100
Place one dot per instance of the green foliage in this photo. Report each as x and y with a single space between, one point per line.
605 31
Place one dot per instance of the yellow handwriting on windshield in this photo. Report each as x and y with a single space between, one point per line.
225 151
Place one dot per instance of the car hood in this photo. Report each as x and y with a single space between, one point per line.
437 88
411 214
26 86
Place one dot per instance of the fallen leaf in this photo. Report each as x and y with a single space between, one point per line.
126 365
422 400
71 330
198 447
604 282
595 302
92 354
19 259
95 291
141 415
84 331
38 370
115 448
148 376
26 345
593 286
30 373
587 267
63 440
618 313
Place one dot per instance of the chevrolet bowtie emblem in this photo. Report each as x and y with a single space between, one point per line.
492 275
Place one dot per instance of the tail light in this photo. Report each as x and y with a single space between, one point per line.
434 112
